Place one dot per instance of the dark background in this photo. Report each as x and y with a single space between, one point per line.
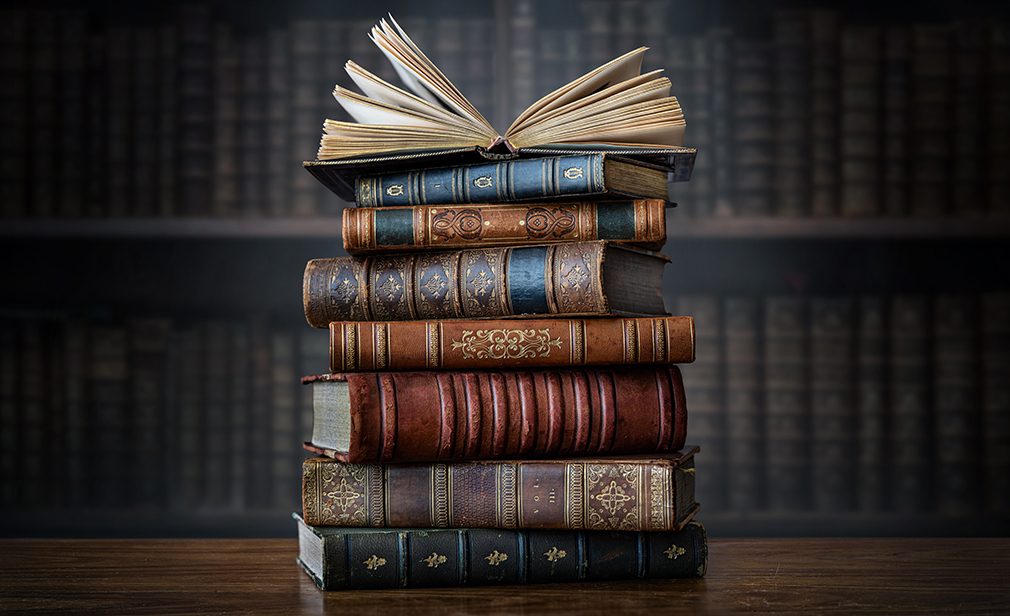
843 247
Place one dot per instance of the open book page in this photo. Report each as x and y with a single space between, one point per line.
613 104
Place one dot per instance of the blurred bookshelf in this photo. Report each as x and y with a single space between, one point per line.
154 205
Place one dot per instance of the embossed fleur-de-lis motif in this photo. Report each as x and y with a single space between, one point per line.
554 554
343 495
481 283
344 291
435 285
390 288
434 560
374 562
496 558
612 497
674 551
576 277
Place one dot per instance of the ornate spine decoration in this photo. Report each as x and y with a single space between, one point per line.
467 224
542 223
506 343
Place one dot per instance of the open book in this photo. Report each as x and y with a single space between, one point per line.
614 104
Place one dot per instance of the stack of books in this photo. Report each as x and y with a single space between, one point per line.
502 403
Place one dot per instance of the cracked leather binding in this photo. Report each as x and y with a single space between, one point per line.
432 416
349 558
616 493
580 278
371 230
461 344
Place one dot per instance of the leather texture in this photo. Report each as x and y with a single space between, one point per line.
373 230
616 493
477 283
404 558
531 343
431 416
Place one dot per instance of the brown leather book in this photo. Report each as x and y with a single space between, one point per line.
582 278
650 493
430 416
460 344
368 230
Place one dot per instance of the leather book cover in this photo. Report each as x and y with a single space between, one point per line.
618 493
426 416
586 278
353 558
370 230
459 344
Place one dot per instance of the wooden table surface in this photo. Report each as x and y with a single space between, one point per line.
846 576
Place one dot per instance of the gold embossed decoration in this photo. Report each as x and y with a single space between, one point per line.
554 554
674 552
613 492
374 562
542 223
506 343
573 173
467 224
433 560
496 558
613 497
395 190
483 181
342 494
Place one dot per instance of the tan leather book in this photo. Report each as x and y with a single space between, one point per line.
581 278
621 493
494 415
370 230
529 343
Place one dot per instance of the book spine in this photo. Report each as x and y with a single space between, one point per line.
420 416
956 403
283 420
721 50
478 83
541 178
239 402
71 138
32 403
824 108
195 121
931 135
705 386
258 471
791 48
743 404
522 62
226 101
43 114
910 420
895 122
860 124
696 98
393 558
96 167
530 343
144 123
998 118
871 389
148 359
108 414
477 283
278 125
313 355
76 422
367 230
786 404
996 401
16 72
118 113
307 97
189 469
10 460
574 494
970 126
216 454
832 404
253 100
754 127
168 113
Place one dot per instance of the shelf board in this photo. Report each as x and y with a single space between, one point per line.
688 228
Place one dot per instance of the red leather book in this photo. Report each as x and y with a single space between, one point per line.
637 493
430 416
530 343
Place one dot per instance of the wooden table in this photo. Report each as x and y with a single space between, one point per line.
904 576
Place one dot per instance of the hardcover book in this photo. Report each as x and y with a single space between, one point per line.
351 558
643 493
584 278
371 230
529 343
421 416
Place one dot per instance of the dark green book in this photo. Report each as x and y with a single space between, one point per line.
350 558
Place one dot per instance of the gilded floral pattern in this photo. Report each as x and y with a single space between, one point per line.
506 343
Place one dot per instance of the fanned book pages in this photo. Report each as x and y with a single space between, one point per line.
614 104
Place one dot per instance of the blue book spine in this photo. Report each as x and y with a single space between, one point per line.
499 182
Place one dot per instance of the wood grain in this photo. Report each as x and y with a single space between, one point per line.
845 576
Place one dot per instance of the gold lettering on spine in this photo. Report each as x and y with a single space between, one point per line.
381 346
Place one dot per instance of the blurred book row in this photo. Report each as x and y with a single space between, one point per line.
869 404
194 118
153 414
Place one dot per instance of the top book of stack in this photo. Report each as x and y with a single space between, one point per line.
613 133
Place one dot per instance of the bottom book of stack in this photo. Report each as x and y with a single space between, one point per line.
501 522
